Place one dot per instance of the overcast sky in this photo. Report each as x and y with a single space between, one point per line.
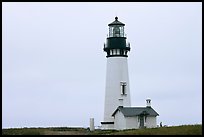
54 67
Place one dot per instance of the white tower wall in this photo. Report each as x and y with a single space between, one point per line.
116 72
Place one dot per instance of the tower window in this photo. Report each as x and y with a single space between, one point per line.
123 88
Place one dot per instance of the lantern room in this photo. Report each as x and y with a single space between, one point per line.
116 44
116 28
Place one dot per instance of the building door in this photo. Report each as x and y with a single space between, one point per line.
141 121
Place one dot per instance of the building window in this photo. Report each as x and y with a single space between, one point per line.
123 88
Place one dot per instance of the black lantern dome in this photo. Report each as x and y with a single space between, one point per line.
116 22
116 41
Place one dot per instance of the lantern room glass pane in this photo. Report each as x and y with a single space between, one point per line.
116 31
110 31
121 31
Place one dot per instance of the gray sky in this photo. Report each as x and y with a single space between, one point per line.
54 67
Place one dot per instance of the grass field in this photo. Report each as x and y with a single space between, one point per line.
174 130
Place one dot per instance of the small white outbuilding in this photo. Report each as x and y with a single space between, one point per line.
135 117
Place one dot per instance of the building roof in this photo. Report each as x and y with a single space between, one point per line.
136 111
116 22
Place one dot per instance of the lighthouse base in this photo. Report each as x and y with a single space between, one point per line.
107 125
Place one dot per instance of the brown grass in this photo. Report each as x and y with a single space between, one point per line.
174 130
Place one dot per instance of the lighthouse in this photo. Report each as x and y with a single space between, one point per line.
117 90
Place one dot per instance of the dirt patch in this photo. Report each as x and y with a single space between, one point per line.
64 133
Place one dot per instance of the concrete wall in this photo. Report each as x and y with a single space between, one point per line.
132 122
92 128
107 126
151 122
120 122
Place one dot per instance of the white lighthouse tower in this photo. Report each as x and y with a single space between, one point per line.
117 92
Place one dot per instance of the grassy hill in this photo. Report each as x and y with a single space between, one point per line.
174 130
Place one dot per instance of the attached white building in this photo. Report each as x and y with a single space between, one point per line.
134 117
